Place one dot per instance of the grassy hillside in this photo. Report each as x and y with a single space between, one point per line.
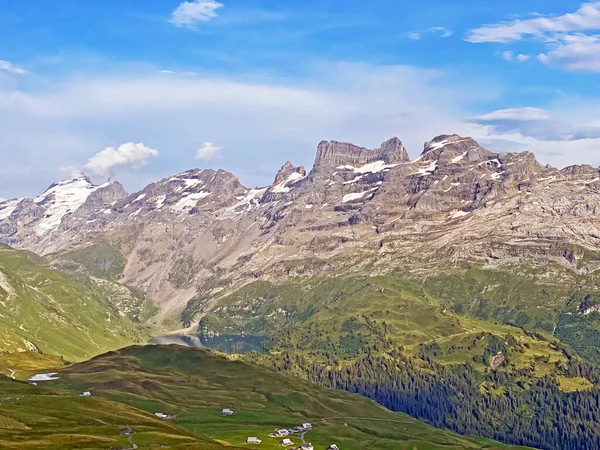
42 310
194 385
460 317
36 418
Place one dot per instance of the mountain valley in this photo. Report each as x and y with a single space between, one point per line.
369 273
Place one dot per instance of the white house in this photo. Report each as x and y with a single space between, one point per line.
333 447
307 446
307 426
282 432
161 415
253 440
286 442
86 394
227 412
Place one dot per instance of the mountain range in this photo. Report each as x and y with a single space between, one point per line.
201 233
466 277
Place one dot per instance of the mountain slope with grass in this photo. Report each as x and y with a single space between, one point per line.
46 311
33 417
194 385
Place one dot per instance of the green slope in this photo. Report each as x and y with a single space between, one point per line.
194 385
36 418
42 310
347 318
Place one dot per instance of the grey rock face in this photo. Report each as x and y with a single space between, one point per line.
333 153
286 170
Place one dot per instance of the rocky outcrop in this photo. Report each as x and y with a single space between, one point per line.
286 170
333 153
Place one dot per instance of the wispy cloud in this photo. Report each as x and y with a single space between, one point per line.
521 114
574 52
441 32
587 17
571 41
539 124
191 14
208 151
9 67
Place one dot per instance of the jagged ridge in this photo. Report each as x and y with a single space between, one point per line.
457 201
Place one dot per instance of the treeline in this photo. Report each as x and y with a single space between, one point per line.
512 408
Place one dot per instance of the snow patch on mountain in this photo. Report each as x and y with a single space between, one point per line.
357 195
374 167
441 144
282 187
7 207
426 170
160 201
189 201
246 203
459 214
459 157
64 197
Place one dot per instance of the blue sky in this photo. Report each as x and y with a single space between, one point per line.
247 85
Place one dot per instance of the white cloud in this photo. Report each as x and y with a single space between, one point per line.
190 14
574 52
587 17
565 122
126 155
570 40
208 151
527 113
441 32
9 67
506 55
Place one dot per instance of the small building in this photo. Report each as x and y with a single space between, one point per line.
307 446
286 442
282 432
86 394
333 447
253 440
227 412
307 426
163 416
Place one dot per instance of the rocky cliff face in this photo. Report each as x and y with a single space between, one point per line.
332 153
201 230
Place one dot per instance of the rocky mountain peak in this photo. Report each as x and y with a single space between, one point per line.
185 193
333 153
393 151
454 149
105 194
580 171
286 170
